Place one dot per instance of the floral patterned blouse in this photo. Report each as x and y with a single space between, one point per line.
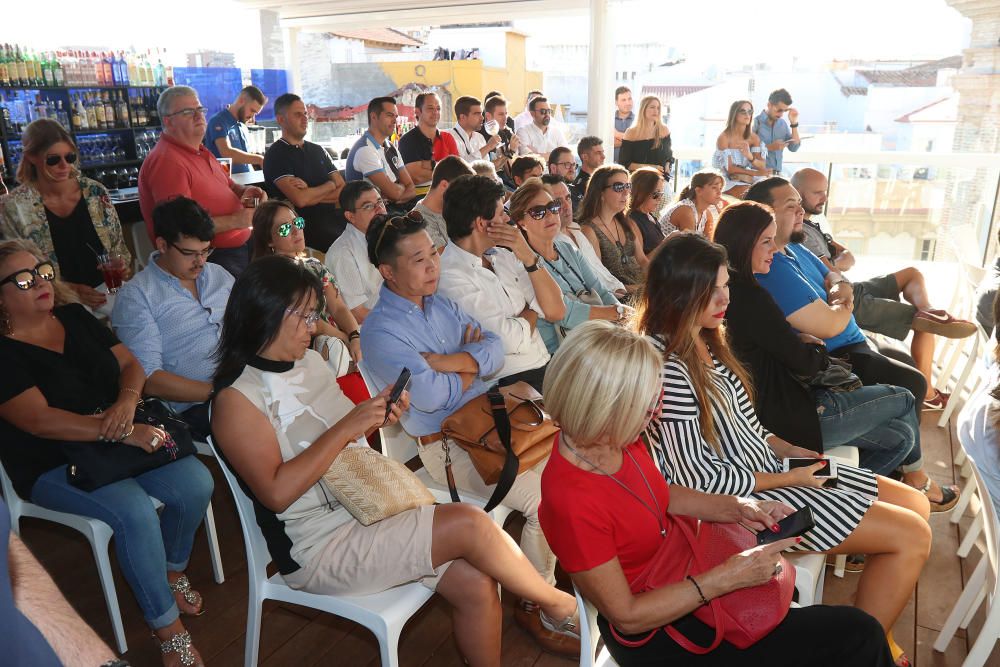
22 216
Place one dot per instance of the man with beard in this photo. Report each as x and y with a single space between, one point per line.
227 130
304 174
877 304
425 145
539 137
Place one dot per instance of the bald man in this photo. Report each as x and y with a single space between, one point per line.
877 305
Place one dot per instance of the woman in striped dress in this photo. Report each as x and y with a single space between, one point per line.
726 450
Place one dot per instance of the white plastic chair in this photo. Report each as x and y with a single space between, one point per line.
984 584
848 456
810 569
218 573
99 535
383 613
590 635
400 446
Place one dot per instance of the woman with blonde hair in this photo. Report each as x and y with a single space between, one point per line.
69 381
697 207
67 215
609 514
649 191
706 436
739 153
647 142
615 238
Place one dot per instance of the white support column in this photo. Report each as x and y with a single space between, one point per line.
292 63
600 93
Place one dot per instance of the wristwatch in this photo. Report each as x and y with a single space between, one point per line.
534 267
793 125
116 663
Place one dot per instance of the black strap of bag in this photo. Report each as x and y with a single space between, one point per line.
510 465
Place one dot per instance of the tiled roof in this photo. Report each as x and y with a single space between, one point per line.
380 35
672 92
922 75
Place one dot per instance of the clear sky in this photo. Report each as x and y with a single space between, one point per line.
724 32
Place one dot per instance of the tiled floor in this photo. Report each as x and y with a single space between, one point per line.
296 636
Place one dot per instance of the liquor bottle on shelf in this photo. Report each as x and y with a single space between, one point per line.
79 115
22 68
132 68
4 76
5 122
121 110
108 68
58 75
109 111
88 104
154 113
159 72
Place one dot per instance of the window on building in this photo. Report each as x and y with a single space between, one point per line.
927 247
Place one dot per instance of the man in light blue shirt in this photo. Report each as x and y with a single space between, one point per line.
447 351
624 117
452 361
774 131
170 314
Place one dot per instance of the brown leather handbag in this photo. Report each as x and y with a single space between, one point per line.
494 446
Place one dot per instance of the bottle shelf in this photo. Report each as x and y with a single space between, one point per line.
79 88
110 165
86 133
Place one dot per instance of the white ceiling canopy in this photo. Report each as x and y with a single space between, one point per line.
322 15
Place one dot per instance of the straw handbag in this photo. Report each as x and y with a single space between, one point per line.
374 487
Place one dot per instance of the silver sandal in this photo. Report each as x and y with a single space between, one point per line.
568 626
181 645
183 586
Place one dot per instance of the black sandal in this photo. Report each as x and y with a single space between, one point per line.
949 497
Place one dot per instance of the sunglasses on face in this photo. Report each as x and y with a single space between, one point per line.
193 253
53 160
189 113
539 212
745 111
619 187
657 195
25 279
310 318
544 112
398 221
372 205
285 228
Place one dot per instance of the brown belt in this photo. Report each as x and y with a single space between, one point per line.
425 440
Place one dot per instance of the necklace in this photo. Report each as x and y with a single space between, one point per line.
655 512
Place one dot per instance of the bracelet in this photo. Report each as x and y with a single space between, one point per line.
793 125
126 436
354 334
837 282
534 267
134 391
697 588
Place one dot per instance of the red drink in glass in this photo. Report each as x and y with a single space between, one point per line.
113 270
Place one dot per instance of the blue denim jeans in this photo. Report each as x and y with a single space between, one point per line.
880 420
147 545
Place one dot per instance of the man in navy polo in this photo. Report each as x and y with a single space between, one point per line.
303 173
227 131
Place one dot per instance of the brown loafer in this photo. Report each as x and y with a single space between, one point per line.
528 616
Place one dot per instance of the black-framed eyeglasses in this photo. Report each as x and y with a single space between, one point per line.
285 228
540 211
193 253
190 112
25 279
658 194
399 221
53 160
619 187
565 165
372 205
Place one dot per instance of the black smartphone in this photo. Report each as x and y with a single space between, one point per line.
401 382
397 390
793 525
828 469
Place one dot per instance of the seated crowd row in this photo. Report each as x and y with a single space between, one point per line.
477 289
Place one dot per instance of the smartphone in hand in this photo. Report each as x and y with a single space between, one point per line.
402 382
793 525
828 471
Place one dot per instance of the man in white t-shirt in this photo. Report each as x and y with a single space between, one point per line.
471 144
540 137
524 118
375 158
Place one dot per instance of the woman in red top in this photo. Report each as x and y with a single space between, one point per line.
605 510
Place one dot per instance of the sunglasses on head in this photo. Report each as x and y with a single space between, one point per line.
53 160
399 221
619 187
539 212
285 228
25 279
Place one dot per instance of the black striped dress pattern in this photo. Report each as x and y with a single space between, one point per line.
686 458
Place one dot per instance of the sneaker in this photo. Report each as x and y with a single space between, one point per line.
940 323
938 401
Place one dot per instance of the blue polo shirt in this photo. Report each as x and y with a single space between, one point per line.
768 134
796 279
223 124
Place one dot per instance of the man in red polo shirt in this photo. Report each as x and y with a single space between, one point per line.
180 164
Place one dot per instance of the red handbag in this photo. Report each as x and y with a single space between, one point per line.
741 617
